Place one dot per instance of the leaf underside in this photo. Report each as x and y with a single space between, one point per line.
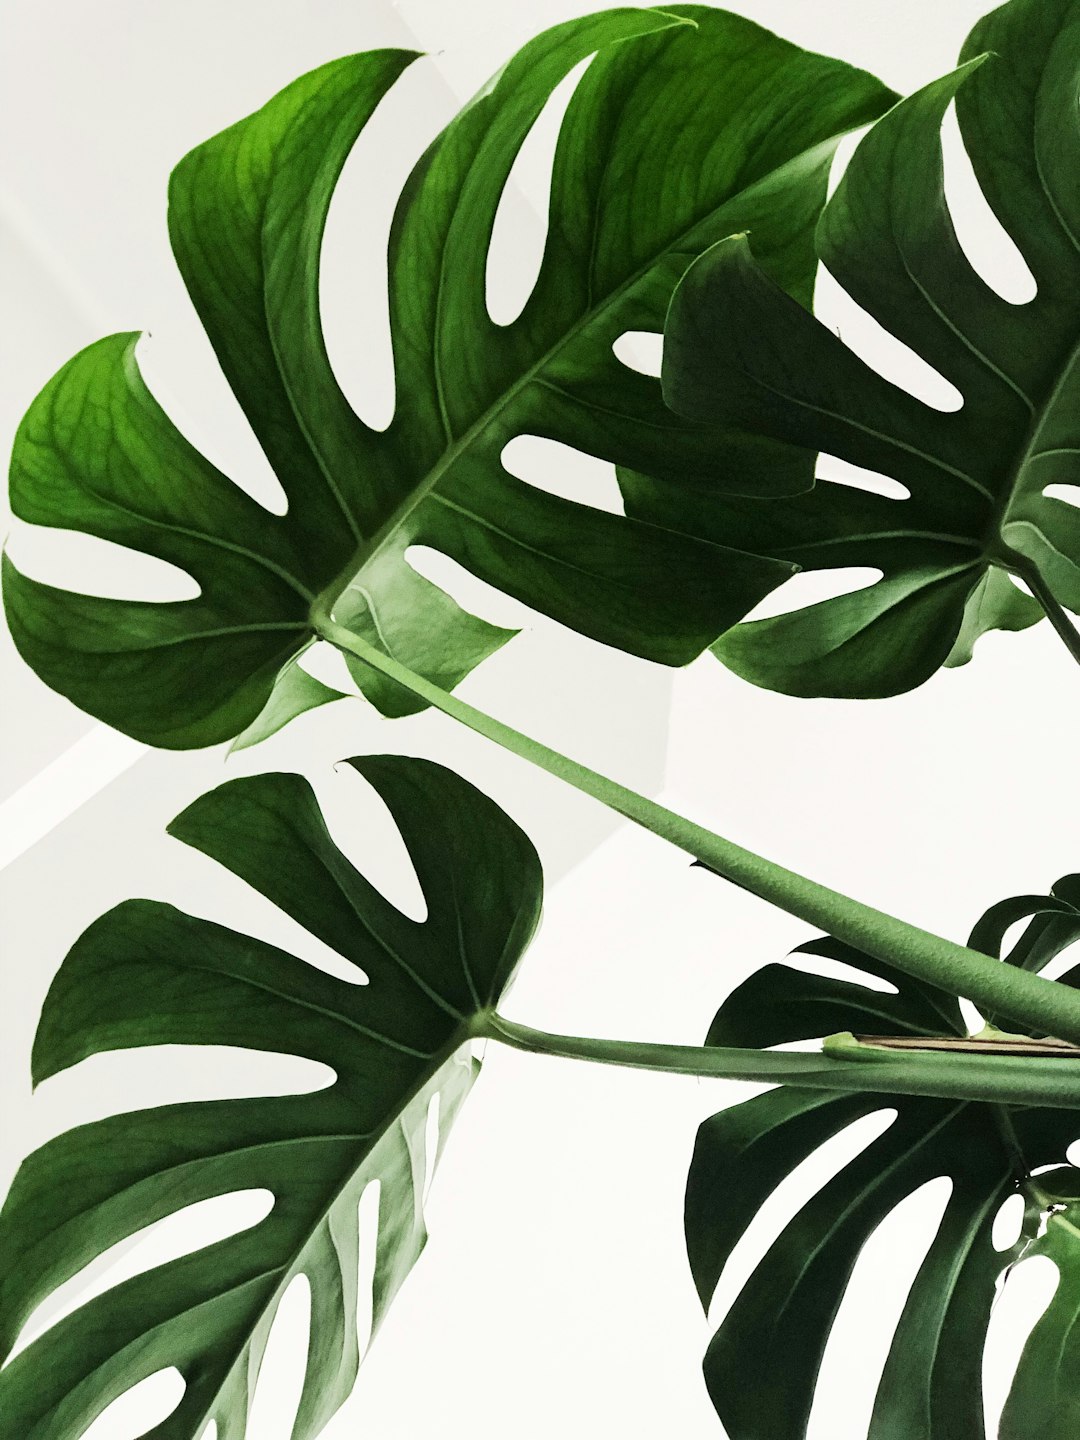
147 974
685 126
779 1323
740 352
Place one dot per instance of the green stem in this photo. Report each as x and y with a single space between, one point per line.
1027 999
1004 1080
1032 578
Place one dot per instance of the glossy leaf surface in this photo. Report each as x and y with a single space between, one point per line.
685 126
147 974
738 351
779 1323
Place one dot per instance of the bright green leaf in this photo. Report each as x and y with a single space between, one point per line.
996 603
147 974
739 351
294 693
684 126
779 1323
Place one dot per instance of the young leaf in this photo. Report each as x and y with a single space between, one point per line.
684 126
147 974
294 693
779 1324
740 352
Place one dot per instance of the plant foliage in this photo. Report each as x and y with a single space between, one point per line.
779 1323
685 126
738 351
147 974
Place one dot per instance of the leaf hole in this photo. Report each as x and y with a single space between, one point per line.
1008 1223
141 1409
363 829
880 349
988 247
187 1230
281 1372
841 472
225 899
148 1076
88 565
182 373
560 470
873 1300
471 593
1016 929
326 663
519 232
640 350
973 1018
354 298
797 1188
1072 1154
813 587
1054 968
1067 494
1020 1305
839 970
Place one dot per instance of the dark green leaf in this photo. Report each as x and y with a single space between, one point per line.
778 1325
684 126
147 974
739 351
1055 924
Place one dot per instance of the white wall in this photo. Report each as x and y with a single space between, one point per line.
554 1296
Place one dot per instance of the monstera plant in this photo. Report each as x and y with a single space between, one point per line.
680 131
688 188
978 507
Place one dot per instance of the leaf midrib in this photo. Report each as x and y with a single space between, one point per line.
880 1179
289 1269
1030 452
398 518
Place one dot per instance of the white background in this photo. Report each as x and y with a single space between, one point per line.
554 1296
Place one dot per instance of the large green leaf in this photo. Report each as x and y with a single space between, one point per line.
147 974
738 351
685 126
778 1325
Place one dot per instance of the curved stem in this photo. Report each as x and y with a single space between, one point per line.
845 1066
1055 613
1025 998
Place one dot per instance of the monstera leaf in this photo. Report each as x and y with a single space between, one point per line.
147 974
738 351
1053 925
685 126
777 1328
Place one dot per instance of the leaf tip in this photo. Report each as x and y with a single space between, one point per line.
686 21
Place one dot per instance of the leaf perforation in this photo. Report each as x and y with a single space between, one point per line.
988 1150
739 352
152 1163
247 212
962 336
